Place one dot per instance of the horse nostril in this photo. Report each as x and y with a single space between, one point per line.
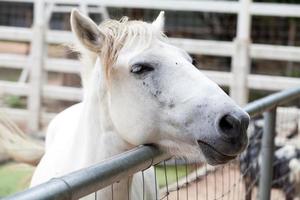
245 123
231 126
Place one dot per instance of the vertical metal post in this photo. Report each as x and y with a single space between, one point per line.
266 156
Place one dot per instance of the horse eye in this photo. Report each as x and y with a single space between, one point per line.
141 68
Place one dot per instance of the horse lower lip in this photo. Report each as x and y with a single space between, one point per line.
213 156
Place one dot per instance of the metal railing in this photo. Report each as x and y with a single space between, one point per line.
89 180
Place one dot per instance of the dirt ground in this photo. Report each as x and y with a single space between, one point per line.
225 184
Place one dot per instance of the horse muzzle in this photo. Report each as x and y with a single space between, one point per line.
229 140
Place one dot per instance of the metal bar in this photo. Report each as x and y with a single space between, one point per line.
259 106
266 156
88 180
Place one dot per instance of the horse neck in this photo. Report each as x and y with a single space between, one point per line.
101 139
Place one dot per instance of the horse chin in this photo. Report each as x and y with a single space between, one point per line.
183 150
212 155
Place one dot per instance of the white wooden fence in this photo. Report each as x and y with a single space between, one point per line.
241 50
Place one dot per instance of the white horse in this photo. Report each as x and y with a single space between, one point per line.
139 89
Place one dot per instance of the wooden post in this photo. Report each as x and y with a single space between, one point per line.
84 8
36 68
239 90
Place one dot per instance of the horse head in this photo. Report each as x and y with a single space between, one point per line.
155 94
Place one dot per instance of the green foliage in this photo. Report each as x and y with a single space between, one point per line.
14 101
171 173
258 94
14 178
294 73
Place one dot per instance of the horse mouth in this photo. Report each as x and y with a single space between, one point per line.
212 155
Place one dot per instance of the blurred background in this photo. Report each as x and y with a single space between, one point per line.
251 49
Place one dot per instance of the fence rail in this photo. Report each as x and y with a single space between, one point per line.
83 182
89 180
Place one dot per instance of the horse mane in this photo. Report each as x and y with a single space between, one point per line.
121 34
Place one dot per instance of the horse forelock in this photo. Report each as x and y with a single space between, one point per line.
135 35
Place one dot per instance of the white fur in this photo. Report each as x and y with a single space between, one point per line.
172 107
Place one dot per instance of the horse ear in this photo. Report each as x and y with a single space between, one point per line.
159 23
86 31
